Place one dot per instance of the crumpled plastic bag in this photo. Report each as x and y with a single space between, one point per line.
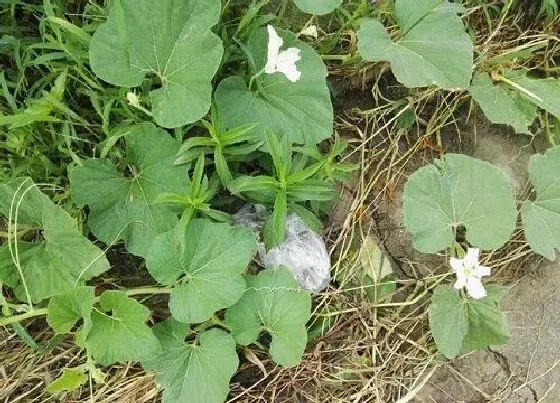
303 252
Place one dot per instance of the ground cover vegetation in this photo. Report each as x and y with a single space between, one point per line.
132 130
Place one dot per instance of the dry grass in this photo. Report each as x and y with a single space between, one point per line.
372 352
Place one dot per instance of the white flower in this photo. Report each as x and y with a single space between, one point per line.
281 61
310 31
469 272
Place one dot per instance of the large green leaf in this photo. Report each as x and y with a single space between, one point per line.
193 372
119 332
123 206
541 218
502 105
460 325
273 302
168 38
448 319
455 191
300 110
209 259
66 309
58 259
317 7
433 47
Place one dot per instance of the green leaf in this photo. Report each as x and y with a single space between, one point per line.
273 302
376 274
460 325
502 105
169 39
448 319
71 379
123 207
317 7
58 259
119 332
301 110
433 47
544 93
541 218
208 259
458 190
197 372
487 324
66 309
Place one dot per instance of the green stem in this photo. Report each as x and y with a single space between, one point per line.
23 316
341 58
45 311
257 75
148 290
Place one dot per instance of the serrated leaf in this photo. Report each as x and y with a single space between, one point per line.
119 332
448 319
124 207
273 302
541 218
59 259
198 372
301 110
502 105
458 190
317 7
71 379
433 48
487 323
66 309
169 39
208 259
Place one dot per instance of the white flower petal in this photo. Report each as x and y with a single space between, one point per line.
461 282
274 45
457 264
482 271
471 259
475 288
286 63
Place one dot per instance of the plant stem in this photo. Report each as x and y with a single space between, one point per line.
257 75
148 290
23 316
44 311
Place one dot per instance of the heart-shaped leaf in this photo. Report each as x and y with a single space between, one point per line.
209 259
433 47
541 218
301 110
193 372
456 191
167 38
119 332
273 302
317 7
124 206
60 257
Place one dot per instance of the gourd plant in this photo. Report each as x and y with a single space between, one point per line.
458 196
161 198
